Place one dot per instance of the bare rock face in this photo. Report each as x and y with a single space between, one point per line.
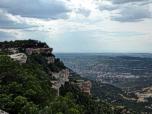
50 59
19 56
2 112
29 51
61 77
14 50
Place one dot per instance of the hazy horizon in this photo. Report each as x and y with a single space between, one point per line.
108 52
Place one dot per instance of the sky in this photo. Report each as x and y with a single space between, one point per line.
80 26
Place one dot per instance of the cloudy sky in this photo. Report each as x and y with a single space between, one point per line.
80 25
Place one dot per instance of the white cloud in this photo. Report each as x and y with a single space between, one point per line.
86 26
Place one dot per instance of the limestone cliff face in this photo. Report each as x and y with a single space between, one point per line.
2 112
29 51
50 59
14 50
61 77
19 56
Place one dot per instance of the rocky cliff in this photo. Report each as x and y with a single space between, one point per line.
85 86
61 77
29 51
50 59
19 56
2 112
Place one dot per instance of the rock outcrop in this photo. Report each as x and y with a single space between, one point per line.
85 86
19 56
29 51
61 78
3 112
14 50
50 59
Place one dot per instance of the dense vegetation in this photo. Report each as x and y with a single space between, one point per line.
109 93
57 66
23 44
23 85
91 107
27 89
136 84
39 58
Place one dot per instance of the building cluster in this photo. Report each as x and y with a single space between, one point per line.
108 73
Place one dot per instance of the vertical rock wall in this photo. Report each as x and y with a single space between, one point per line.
2 112
50 59
38 50
61 77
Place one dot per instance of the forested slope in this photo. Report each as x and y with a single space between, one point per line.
113 95
136 84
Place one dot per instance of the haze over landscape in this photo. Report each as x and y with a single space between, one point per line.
97 52
79 26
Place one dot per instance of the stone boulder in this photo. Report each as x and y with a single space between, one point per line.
3 112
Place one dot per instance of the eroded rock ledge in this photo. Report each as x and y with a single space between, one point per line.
3 112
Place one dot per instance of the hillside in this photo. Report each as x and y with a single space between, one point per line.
115 96
136 85
27 87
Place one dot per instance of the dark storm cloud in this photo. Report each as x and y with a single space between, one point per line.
125 1
36 8
133 14
83 11
6 23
